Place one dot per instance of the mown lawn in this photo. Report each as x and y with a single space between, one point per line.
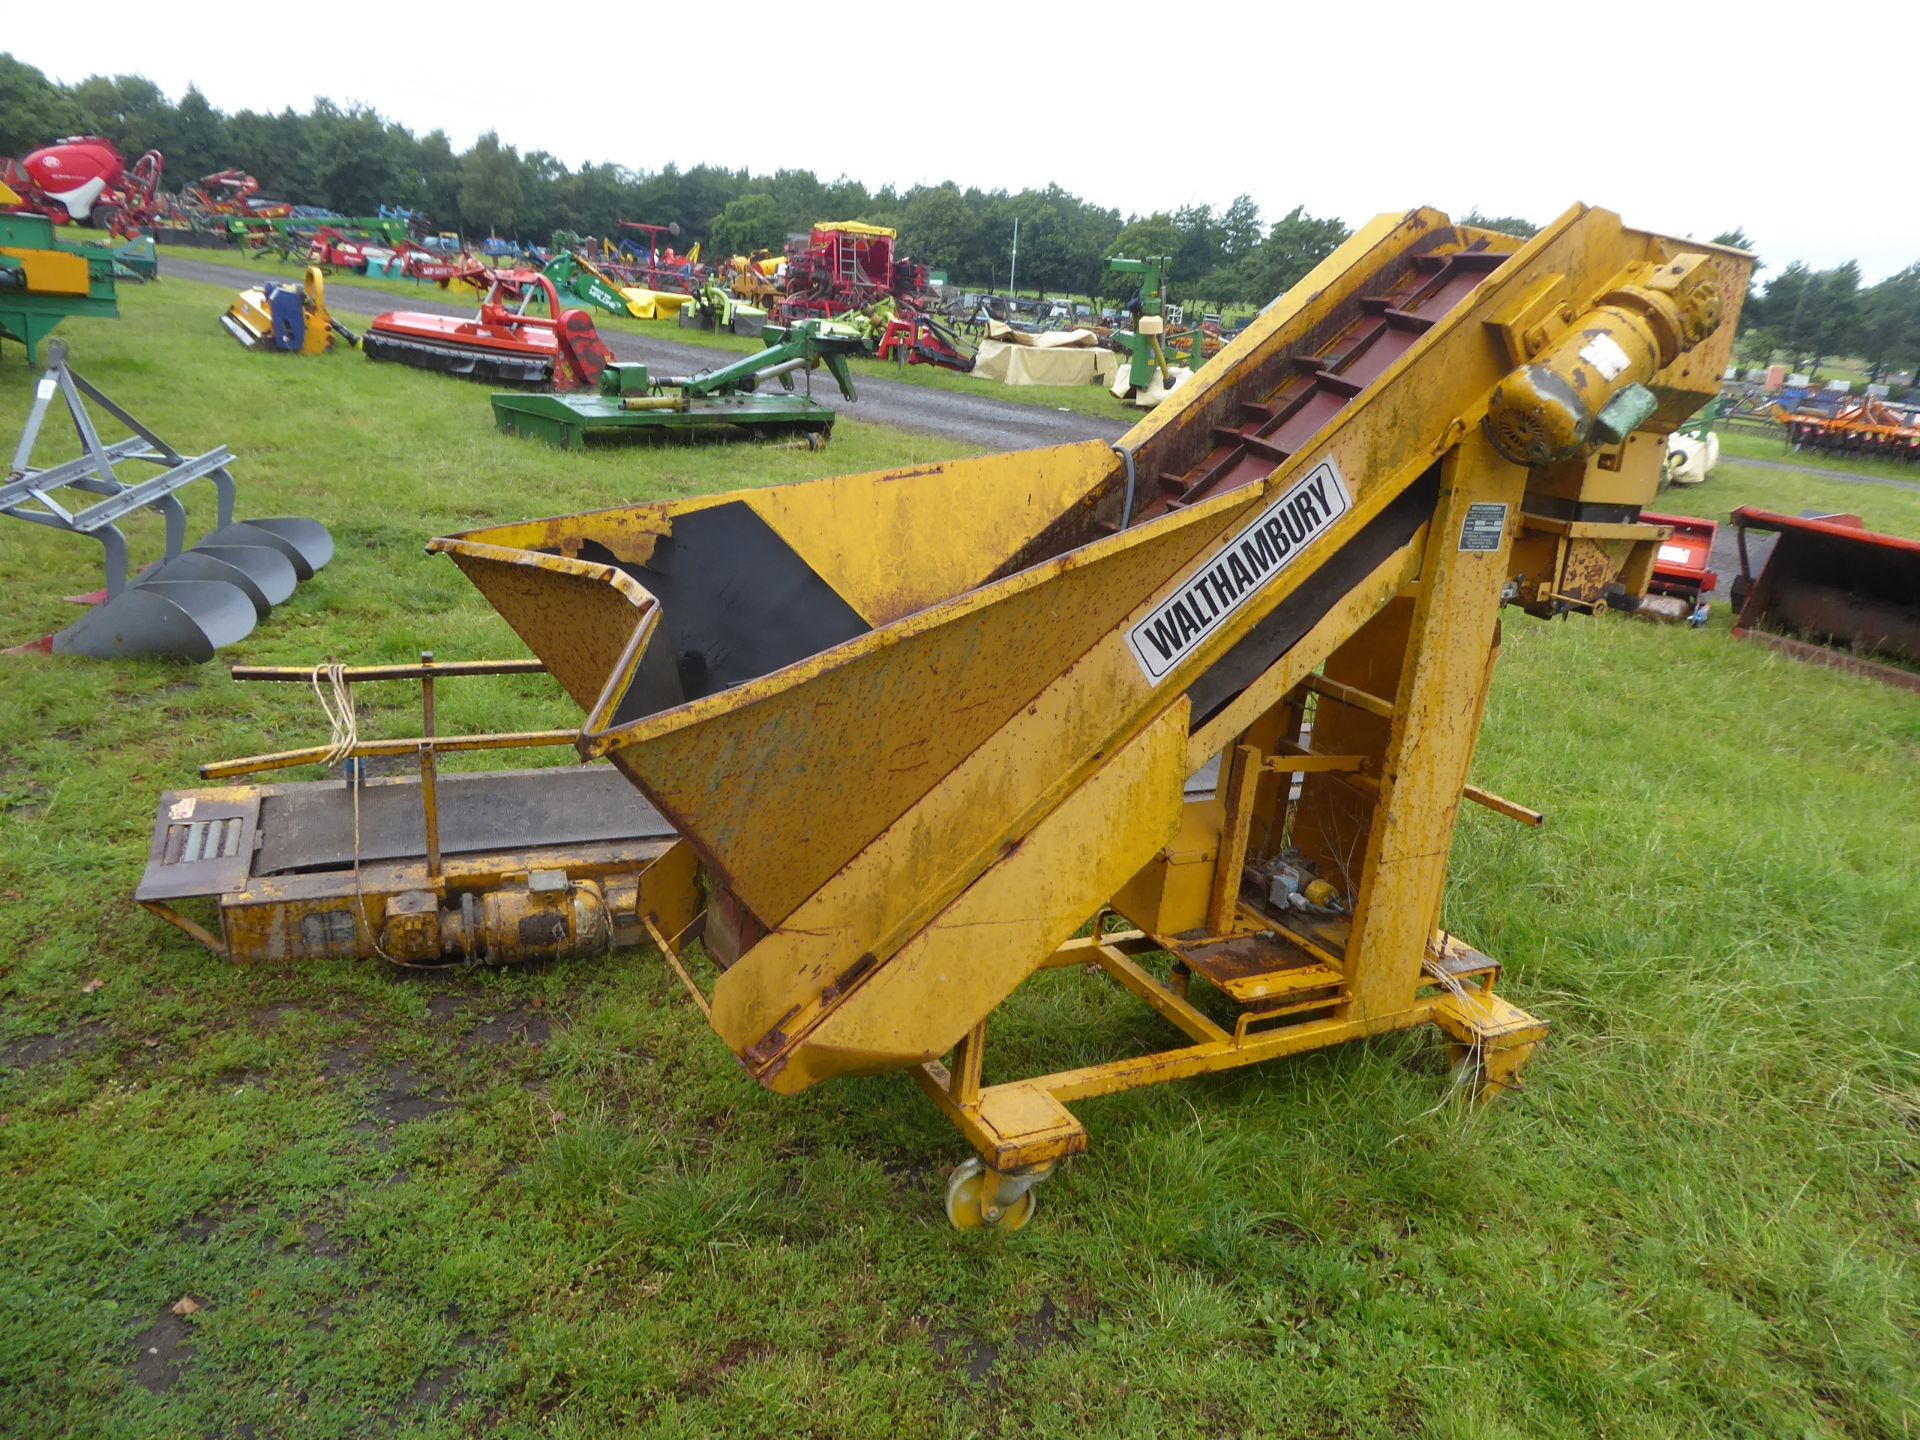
1800 490
1082 399
1748 445
547 1201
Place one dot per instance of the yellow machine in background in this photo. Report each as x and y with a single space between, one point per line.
1214 689
292 318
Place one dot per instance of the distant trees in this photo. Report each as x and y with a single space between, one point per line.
354 159
490 185
1505 224
1805 317
1889 333
747 223
33 110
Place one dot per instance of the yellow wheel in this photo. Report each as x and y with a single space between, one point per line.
974 1199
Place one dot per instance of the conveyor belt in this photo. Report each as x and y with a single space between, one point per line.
1323 383
310 827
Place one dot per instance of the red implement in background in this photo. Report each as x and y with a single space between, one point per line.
1683 564
1831 582
844 266
1865 427
560 350
83 180
921 340
230 192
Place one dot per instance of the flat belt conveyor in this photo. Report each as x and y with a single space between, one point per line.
417 869
310 827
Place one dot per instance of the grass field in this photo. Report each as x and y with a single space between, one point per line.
1082 399
1749 446
548 1202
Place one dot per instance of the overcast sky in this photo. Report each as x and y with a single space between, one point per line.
1788 120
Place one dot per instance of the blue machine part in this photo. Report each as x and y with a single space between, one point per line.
288 308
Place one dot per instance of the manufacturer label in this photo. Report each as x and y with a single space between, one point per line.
47 388
1604 354
181 809
1480 532
1679 554
1269 543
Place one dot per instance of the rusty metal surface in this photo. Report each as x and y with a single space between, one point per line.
192 851
1830 580
1253 968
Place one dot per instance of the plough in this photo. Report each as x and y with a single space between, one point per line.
195 600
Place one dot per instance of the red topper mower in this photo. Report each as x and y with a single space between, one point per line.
504 344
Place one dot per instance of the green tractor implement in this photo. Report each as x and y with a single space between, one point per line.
1145 343
43 281
583 281
719 404
715 307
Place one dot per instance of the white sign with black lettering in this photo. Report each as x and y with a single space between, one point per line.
1482 530
1261 550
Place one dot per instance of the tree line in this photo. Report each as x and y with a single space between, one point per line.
1806 317
353 160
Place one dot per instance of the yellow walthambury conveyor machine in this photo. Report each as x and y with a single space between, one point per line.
920 727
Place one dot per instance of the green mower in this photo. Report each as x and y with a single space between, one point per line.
720 404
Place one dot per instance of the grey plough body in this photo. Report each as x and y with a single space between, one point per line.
195 599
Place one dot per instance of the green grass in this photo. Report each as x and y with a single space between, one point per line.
1092 400
547 1202
1881 507
1748 446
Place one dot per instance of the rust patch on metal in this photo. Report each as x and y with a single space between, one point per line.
848 978
543 932
760 1056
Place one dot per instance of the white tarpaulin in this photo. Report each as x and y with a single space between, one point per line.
1054 357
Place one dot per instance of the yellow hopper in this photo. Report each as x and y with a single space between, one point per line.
922 726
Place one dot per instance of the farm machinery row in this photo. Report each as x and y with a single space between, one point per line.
1867 427
565 384
85 180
